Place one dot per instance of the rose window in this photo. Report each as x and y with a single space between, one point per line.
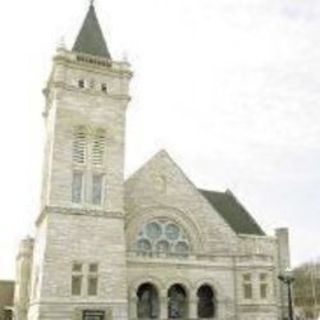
162 238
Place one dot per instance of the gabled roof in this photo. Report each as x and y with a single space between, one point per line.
233 212
224 203
90 39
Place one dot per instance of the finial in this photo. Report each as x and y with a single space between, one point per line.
125 56
91 3
61 43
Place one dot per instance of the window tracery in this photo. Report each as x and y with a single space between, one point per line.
162 238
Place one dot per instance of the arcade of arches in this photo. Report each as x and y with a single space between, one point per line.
175 303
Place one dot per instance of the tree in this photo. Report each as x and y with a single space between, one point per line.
307 289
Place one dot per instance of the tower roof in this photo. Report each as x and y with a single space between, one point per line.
90 39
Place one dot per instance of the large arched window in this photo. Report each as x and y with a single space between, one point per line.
148 302
164 239
177 302
206 302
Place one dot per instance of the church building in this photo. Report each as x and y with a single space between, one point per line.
152 247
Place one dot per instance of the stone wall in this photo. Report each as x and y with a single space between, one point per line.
219 257
180 201
90 92
23 278
69 106
75 237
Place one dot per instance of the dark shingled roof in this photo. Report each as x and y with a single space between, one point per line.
90 39
238 218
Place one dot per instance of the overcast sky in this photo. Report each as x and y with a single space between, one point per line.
230 88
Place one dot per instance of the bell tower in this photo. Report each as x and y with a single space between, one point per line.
79 263
86 101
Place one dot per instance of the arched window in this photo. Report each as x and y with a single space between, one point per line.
144 247
148 302
177 304
206 304
153 230
182 249
162 247
164 238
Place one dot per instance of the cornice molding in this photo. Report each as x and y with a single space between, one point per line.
78 65
78 212
66 87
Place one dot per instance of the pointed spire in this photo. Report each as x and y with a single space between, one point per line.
90 39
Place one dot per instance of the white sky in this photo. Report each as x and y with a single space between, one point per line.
231 88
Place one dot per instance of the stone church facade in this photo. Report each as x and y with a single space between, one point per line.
151 247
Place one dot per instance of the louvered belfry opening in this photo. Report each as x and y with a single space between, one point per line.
98 147
80 142
79 145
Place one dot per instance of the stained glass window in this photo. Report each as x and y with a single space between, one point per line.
162 246
172 231
144 246
163 238
153 230
182 249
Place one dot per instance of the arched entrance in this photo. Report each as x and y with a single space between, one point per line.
148 302
177 302
206 302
